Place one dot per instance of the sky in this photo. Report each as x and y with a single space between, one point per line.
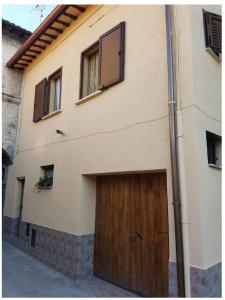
25 15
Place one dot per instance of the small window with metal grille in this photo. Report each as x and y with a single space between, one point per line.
27 231
214 149
33 238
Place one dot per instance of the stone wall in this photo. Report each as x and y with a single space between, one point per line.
9 125
12 39
11 92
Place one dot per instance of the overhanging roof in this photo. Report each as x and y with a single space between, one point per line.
56 22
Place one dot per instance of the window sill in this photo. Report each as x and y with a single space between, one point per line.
45 187
51 114
215 166
89 97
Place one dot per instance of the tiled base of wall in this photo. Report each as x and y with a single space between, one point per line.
204 282
172 279
72 255
9 226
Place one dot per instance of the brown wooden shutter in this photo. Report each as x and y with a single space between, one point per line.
213 31
111 56
39 100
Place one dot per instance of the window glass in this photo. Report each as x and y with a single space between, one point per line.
48 171
90 63
55 93
93 72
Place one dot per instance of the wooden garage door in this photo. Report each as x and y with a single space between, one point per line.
131 235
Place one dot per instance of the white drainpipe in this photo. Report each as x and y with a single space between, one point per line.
184 206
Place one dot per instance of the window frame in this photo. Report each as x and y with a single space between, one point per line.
208 46
119 59
43 175
211 139
45 109
53 76
84 53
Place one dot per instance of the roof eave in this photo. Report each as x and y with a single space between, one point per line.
37 33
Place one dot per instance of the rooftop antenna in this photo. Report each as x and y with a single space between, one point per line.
40 11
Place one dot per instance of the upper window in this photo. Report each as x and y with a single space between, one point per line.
102 65
48 96
54 92
214 149
213 32
90 78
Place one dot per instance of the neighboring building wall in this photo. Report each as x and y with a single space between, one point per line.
125 129
12 38
11 90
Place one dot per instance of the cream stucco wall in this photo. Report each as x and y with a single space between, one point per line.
198 92
207 92
125 129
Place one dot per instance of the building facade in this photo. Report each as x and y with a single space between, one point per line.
91 187
12 38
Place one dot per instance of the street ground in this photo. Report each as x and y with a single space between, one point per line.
24 276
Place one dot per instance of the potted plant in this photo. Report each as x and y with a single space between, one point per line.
45 182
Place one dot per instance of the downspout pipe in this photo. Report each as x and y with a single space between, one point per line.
174 160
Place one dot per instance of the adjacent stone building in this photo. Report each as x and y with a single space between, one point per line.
13 37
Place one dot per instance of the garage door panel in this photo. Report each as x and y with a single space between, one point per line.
131 243
164 234
139 256
112 231
149 183
121 271
100 230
